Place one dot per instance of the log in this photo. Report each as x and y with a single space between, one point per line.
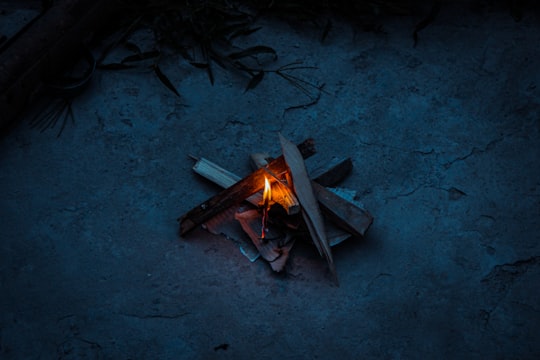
238 192
310 207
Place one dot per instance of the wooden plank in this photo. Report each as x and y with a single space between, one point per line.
333 172
238 192
215 173
310 207
341 212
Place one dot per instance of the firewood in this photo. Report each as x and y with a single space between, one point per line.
259 160
215 173
310 207
221 177
333 172
238 192
224 178
341 212
281 193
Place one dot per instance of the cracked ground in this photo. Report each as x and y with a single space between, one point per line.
445 143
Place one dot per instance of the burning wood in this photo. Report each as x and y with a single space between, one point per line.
287 184
238 192
267 195
335 171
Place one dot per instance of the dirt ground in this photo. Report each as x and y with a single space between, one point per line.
445 140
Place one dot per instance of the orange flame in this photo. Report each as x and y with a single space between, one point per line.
267 196
267 193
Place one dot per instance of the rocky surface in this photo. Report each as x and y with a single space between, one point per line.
446 147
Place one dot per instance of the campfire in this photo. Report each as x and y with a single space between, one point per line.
279 203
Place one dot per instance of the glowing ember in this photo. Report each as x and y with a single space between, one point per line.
267 196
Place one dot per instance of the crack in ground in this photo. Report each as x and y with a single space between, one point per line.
475 150
502 277
155 316
233 122
420 152
407 193
69 348
372 281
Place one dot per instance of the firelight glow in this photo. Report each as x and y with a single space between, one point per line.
267 193
267 196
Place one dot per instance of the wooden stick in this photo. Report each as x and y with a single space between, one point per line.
310 208
238 192
281 193
340 211
215 173
332 173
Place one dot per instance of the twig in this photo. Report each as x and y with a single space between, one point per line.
303 106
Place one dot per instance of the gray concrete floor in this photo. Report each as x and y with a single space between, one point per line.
446 147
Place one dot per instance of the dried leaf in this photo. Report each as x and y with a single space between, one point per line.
182 50
326 30
255 80
232 28
165 80
244 32
426 21
115 66
142 56
241 66
199 65
218 59
210 74
132 47
206 51
254 50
